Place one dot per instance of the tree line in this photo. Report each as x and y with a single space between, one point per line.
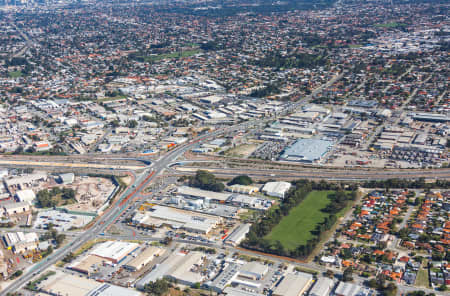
255 237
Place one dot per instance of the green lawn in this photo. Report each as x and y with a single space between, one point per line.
15 74
422 278
172 55
109 99
390 25
295 229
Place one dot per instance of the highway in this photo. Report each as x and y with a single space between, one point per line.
132 193
69 165
126 199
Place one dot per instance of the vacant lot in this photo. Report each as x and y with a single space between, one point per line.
244 150
295 229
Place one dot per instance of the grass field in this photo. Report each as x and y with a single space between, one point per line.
390 25
163 56
422 278
244 150
295 229
15 74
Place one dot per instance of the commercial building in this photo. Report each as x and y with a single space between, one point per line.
144 258
322 287
114 251
293 284
307 150
276 189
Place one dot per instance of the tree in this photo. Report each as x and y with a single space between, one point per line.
69 257
60 239
329 273
132 123
390 290
196 286
241 180
207 181
157 288
348 274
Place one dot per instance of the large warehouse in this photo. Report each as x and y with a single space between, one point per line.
114 251
238 235
276 189
144 258
175 218
307 150
293 284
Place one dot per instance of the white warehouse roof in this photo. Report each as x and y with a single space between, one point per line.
114 250
277 189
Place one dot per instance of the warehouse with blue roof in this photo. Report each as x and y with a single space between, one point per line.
307 150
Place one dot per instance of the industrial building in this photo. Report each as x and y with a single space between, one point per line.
307 150
187 271
230 291
180 266
22 182
88 265
66 284
276 189
349 289
191 192
229 273
14 208
430 117
61 220
253 270
67 178
20 242
144 258
238 235
242 189
175 218
112 290
26 195
293 284
114 251
322 287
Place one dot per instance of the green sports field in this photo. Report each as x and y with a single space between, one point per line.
295 229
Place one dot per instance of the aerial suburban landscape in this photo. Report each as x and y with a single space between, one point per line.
224 147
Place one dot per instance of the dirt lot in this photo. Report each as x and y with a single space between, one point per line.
244 150
91 193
